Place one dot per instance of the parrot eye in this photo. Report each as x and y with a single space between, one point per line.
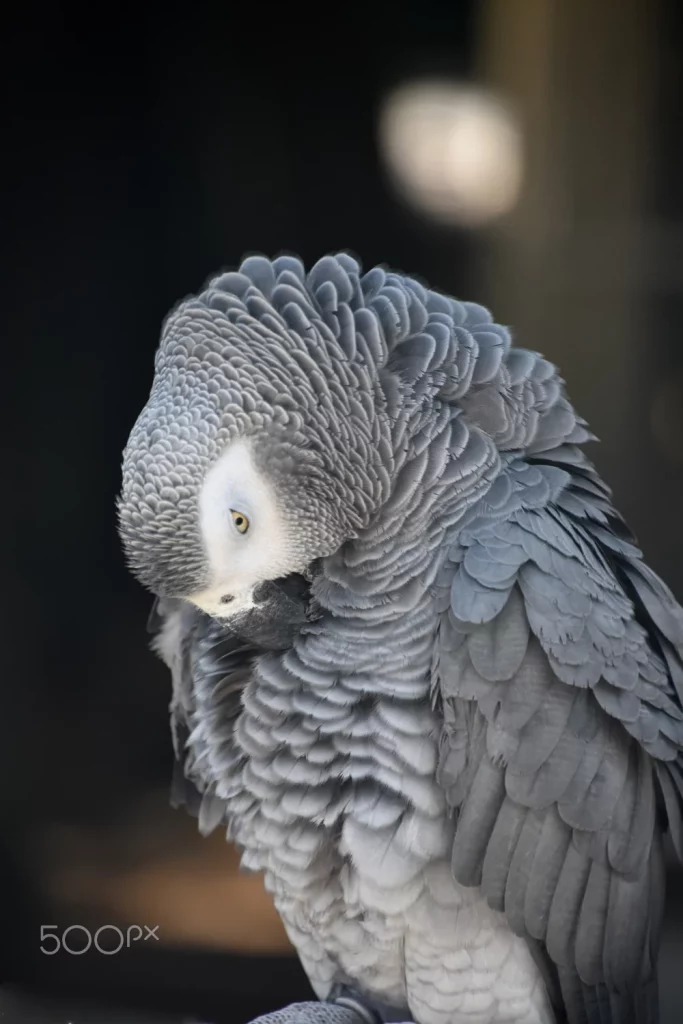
240 520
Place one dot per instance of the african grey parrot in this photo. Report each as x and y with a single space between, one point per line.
419 666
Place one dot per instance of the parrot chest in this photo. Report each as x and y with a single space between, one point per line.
423 944
360 872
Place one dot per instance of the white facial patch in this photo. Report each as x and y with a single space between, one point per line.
238 561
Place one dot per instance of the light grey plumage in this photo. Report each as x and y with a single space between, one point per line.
454 744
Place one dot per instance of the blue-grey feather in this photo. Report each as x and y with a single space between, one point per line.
520 872
590 932
548 862
500 851
565 907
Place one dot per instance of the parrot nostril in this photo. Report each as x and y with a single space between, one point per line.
227 598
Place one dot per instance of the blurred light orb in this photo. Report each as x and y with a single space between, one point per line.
455 152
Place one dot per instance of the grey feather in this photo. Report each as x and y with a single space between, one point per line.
549 858
500 851
497 653
565 906
590 932
475 823
520 872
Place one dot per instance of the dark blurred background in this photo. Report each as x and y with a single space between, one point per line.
526 154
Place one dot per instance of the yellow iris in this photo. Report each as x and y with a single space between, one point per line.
240 520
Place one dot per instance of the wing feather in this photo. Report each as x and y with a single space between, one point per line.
561 681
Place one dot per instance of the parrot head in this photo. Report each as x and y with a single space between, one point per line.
240 471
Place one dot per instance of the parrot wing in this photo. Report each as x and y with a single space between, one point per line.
559 674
